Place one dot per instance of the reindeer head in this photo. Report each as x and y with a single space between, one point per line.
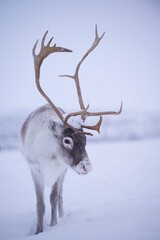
71 146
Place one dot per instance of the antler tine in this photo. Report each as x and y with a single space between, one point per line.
97 38
95 127
93 114
34 49
38 59
50 42
43 39
76 75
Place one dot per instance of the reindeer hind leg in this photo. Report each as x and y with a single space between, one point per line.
56 199
54 203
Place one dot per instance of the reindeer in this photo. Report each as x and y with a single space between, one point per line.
52 141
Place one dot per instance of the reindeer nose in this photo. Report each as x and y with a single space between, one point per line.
87 166
83 167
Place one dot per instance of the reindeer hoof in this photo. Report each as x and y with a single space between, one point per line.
39 230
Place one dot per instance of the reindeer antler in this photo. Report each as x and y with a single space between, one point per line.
38 59
76 74
45 51
84 114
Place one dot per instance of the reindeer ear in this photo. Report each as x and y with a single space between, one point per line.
55 127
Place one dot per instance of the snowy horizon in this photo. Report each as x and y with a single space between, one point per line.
127 126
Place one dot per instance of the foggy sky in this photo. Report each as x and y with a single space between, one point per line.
124 67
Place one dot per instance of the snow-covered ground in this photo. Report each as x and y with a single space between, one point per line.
118 200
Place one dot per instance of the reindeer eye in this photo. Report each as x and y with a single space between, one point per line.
66 141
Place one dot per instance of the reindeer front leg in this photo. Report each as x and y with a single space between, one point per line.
39 189
60 200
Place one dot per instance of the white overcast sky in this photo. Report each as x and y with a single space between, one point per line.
124 67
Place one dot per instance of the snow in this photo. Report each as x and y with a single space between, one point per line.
74 121
119 199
